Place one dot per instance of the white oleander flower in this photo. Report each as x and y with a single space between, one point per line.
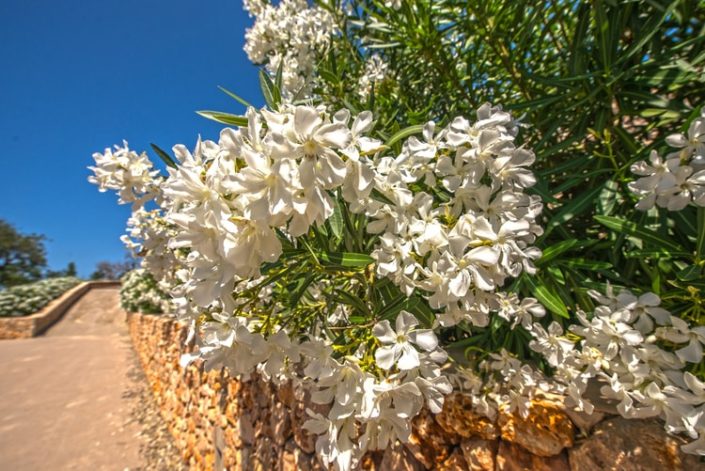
291 35
397 344
374 73
681 332
679 179
128 173
551 343
692 144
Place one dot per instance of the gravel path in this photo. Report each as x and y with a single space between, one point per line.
76 397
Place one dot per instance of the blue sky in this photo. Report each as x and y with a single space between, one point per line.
79 76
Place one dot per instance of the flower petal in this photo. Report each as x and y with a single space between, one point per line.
424 338
384 356
409 358
306 120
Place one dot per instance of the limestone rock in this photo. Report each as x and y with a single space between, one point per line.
265 455
458 418
631 445
399 458
585 422
285 394
246 428
480 455
302 437
455 462
429 443
545 432
287 460
372 460
280 423
511 457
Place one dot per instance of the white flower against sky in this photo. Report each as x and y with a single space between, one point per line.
128 173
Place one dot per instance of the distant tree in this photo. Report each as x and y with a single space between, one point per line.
22 256
69 271
113 270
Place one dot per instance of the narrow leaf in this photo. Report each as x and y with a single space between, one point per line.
573 208
336 220
586 264
547 297
646 235
269 91
347 298
225 118
700 243
166 158
561 247
406 132
346 259
235 97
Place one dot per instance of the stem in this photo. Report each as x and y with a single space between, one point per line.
700 244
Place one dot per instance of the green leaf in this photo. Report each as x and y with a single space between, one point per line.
690 273
392 308
278 79
225 118
377 195
347 298
235 97
418 307
336 220
547 297
270 92
586 264
300 289
608 198
700 243
561 247
346 259
166 158
573 208
632 229
658 253
406 132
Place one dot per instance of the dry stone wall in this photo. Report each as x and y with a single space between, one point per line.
222 423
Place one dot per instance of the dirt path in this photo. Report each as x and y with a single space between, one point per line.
72 399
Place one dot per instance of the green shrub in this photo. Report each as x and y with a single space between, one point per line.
140 293
27 299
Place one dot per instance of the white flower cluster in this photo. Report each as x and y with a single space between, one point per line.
451 219
679 179
22 300
291 35
365 411
227 199
140 293
371 413
502 382
375 72
457 223
147 238
637 351
128 173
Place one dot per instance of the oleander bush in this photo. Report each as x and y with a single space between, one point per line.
498 198
140 293
22 300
